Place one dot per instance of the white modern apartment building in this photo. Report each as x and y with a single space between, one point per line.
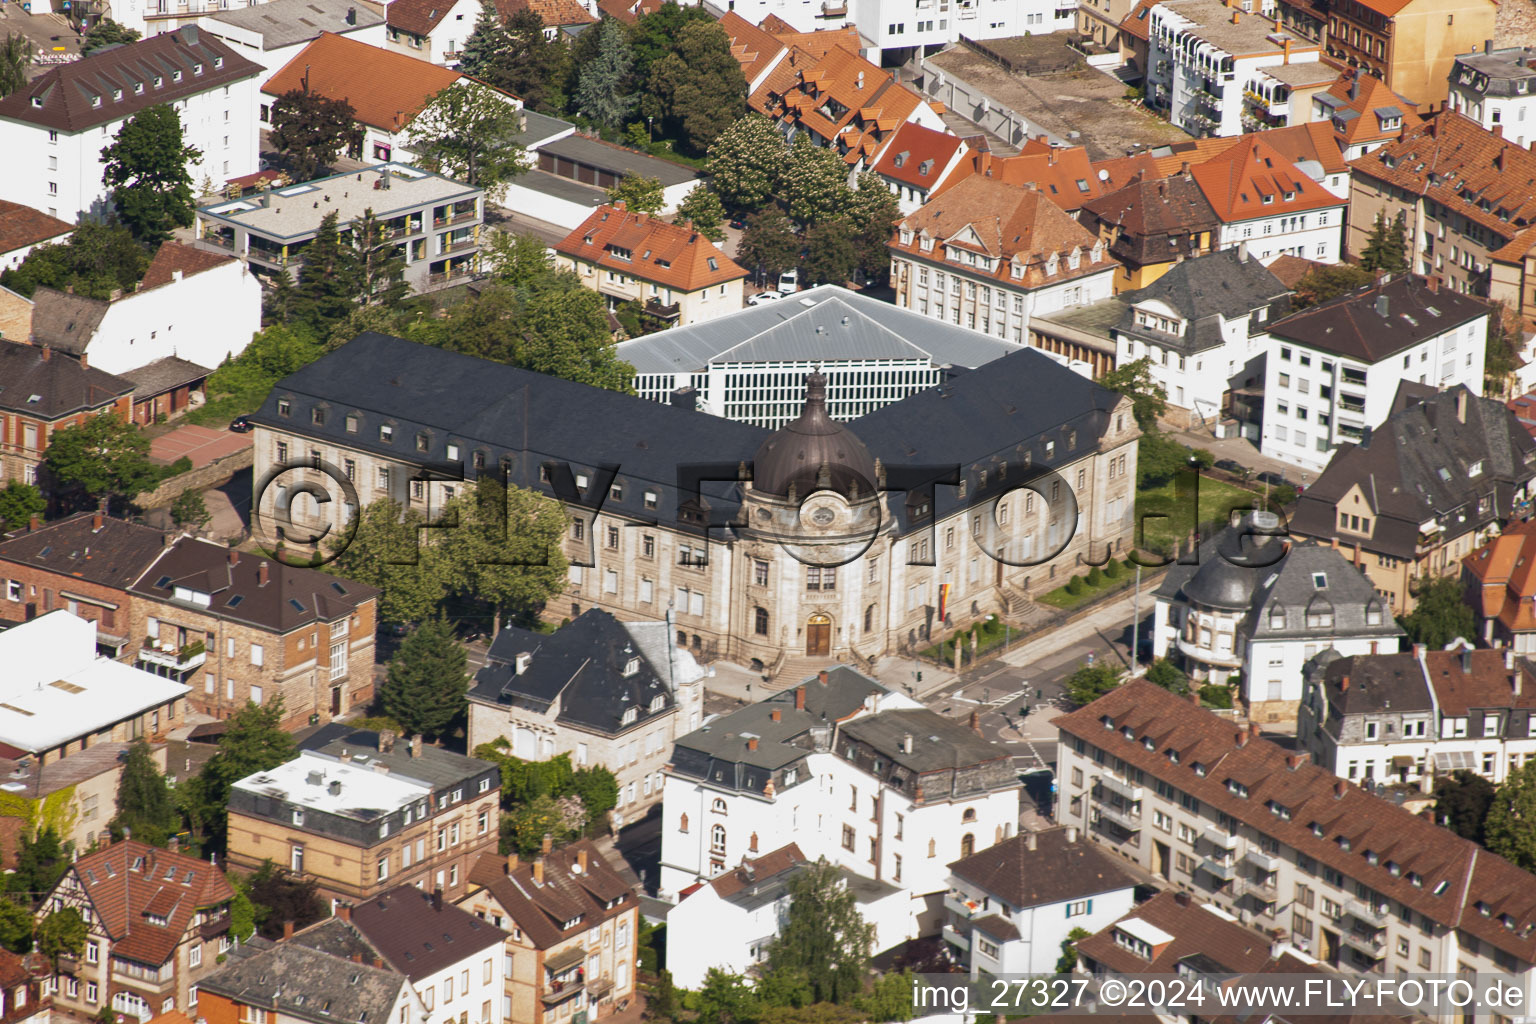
1334 369
1421 714
273 33
1274 206
880 785
1208 61
1497 89
53 130
894 26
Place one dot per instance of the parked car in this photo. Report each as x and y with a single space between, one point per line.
1232 466
762 297
789 281
242 425
739 223
1271 478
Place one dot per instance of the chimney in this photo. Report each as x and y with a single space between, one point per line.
777 715
1335 543
821 677
387 741
1339 789
1194 698
906 743
33 523
378 961
85 363
437 898
288 929
1030 842
1418 652
351 15
263 573
799 690
1253 730
1344 683
114 294
416 745
1509 658
1498 131
1487 46
1292 761
47 352
546 843
357 958
752 743
1461 405
173 844
96 523
581 861
1381 305
344 911
1241 739
1071 834
176 276
1181 898
513 863
1432 284
538 870
1237 15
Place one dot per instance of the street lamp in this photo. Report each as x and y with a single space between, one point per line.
648 119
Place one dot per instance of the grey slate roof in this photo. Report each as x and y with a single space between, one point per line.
418 934
64 320
623 162
938 743
297 981
538 128
825 323
441 769
1394 681
35 384
1417 467
162 375
113 556
582 666
1499 70
1236 574
287 22
1207 291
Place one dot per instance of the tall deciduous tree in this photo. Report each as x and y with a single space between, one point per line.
1090 682
702 208
97 260
61 932
700 86
1134 381
106 32
254 741
815 184
470 132
830 257
19 502
1462 800
1441 614
725 998
40 863
605 83
15 57
655 35
144 803
279 896
147 173
638 194
532 68
310 131
1387 247
388 546
824 938
428 679
565 334
486 43
746 162
104 456
517 259
1324 283
769 245
506 548
873 218
1510 827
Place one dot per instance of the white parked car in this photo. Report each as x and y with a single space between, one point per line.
762 297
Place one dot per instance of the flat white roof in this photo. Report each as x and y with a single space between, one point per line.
1147 932
56 687
351 789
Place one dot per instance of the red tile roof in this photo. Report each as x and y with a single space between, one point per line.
917 155
872 104
21 226
418 17
1290 269
1252 179
1063 173
1503 578
128 881
765 866
668 254
1194 927
386 89
752 47
1138 24
1373 841
174 256
554 13
1366 94
569 892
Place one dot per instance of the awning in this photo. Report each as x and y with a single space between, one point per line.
566 958
1455 761
86 599
1403 761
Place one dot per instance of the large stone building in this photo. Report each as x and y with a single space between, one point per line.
835 546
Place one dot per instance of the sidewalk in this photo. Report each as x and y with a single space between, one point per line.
1112 615
1242 451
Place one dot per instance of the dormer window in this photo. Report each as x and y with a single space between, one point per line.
176 76
197 69
925 243
159 81
658 702
631 667
906 236
117 95
95 101
1076 259
138 88
630 714
37 101
1267 200
1097 255
218 62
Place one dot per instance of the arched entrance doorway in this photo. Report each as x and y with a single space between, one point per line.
818 634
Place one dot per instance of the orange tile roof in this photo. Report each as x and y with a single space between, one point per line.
418 17
816 43
553 13
1012 223
21 226
668 254
1238 182
1451 160
917 155
1063 173
174 256
873 103
1364 95
1137 24
754 49
1503 574
386 89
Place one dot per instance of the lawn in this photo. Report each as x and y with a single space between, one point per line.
991 633
1065 600
1217 499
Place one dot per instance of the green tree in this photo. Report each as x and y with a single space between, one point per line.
280 896
598 790
506 550
746 161
1441 615
702 208
830 256
1166 674
655 35
1462 800
824 938
144 803
1329 282
1387 248
532 68
1159 458
103 456
486 44
274 352
1509 830
41 861
189 511
1134 380
1090 682
254 741
19 502
62 931
565 334
385 547
425 687
525 825
379 262
638 194
1501 350
242 912
769 246
15 925
699 86
889 997
518 258
97 260
873 219
310 131
815 183
1068 962
725 998
661 1002
106 32
146 172
470 133
15 57
605 83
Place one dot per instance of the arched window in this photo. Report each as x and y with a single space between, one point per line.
967 845
933 847
682 823
718 806
969 815
717 839
760 621
752 842
869 619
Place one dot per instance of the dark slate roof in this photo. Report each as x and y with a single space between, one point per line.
114 555
1495 73
291 598
1059 868
1206 292
163 375
1236 574
1376 322
1375 682
1417 467
582 666
1149 210
723 751
567 894
64 320
617 160
118 82
419 934
435 766
338 938
49 387
938 743
296 981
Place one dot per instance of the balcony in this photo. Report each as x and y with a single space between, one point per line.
220 241
1263 889
1219 837
213 928
1219 869
1129 791
1210 655
1262 860
559 991
455 218
401 231
177 659
1372 944
459 246
159 979
1360 910
956 903
449 276
1128 820
663 311
954 938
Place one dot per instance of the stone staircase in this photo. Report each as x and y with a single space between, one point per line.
795 670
